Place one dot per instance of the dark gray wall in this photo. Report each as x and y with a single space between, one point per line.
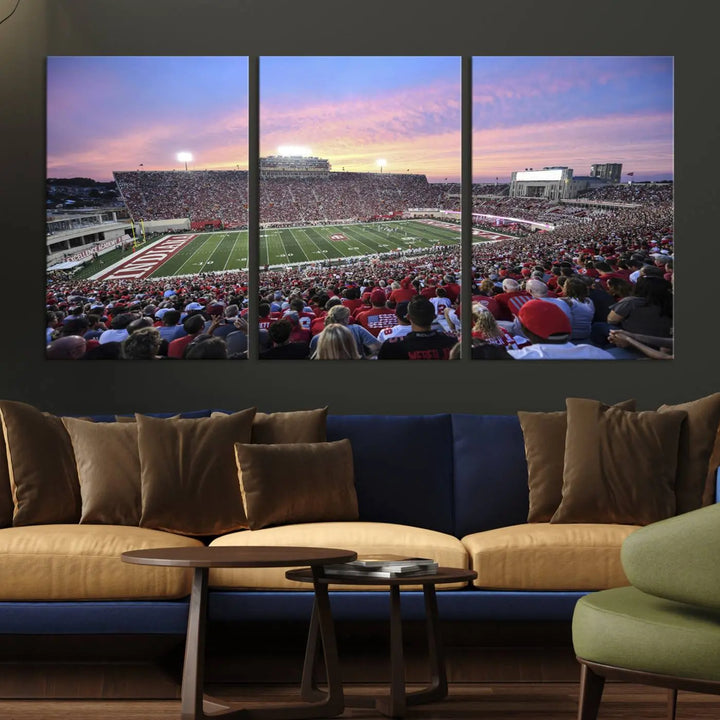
286 27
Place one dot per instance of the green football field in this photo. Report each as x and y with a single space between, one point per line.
218 251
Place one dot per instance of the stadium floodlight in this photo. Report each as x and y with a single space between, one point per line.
184 157
294 151
382 162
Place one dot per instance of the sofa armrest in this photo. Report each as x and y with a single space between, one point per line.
677 558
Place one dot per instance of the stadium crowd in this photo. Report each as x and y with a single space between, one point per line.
597 286
223 195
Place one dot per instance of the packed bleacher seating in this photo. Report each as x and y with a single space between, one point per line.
223 194
624 256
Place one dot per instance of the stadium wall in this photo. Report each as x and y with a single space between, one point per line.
279 27
169 225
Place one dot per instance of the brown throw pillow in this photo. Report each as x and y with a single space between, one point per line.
697 439
711 481
619 466
544 436
131 418
41 466
6 499
188 473
297 483
298 426
108 467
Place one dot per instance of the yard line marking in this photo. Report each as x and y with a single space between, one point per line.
232 250
299 245
193 254
209 260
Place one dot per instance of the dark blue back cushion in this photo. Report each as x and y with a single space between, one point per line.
491 488
403 467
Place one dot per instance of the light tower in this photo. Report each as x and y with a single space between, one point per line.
382 162
184 157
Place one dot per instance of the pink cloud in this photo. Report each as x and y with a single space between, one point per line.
643 141
222 143
418 128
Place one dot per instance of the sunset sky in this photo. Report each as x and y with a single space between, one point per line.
117 113
357 110
573 111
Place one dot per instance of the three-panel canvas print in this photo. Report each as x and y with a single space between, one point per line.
352 245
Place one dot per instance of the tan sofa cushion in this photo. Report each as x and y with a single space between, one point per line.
365 538
545 556
82 562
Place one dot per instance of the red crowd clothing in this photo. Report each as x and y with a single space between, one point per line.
352 305
489 303
452 290
377 319
402 294
176 348
510 303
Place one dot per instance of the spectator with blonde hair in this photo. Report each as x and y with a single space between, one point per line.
486 330
367 344
336 342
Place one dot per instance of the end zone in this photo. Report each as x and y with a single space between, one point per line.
144 262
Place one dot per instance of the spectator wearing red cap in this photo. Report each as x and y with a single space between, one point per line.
379 316
548 328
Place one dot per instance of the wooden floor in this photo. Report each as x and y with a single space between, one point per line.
525 701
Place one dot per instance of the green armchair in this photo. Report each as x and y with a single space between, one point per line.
664 629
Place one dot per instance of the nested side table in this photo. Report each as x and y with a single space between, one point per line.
194 706
395 703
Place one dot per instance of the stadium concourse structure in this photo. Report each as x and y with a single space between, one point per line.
309 213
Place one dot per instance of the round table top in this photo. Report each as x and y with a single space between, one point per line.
443 575
238 557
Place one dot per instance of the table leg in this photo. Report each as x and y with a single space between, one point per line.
394 704
194 666
194 706
438 688
308 687
334 703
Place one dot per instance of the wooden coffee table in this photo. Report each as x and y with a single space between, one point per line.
396 702
194 706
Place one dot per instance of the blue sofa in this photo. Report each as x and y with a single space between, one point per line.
455 474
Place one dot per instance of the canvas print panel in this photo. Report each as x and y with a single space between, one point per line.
147 207
573 250
360 207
